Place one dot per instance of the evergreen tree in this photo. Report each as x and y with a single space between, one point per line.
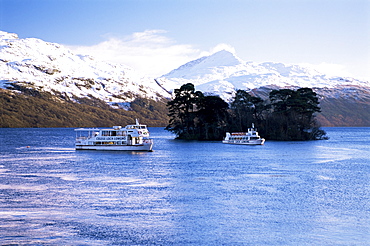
212 118
245 110
292 115
181 111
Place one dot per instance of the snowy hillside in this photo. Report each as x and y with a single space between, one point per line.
51 67
44 66
223 72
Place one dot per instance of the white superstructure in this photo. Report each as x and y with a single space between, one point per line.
250 137
131 138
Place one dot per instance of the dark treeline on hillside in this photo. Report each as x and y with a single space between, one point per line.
32 108
286 115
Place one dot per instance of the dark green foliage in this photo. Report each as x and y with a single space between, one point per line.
287 115
32 108
212 118
245 110
195 116
181 112
292 116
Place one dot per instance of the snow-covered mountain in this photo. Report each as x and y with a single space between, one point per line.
223 72
51 67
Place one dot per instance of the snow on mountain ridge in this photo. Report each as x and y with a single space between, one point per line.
51 67
223 73
220 59
6 35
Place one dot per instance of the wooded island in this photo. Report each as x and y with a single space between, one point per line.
287 115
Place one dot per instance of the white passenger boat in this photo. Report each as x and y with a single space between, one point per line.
131 138
250 137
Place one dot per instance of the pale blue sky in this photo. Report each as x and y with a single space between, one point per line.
334 33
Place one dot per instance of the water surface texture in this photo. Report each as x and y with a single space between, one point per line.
185 192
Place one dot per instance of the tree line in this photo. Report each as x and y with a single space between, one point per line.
287 114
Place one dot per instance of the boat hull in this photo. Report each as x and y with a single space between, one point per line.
143 147
250 142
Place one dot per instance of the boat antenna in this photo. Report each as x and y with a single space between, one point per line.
137 122
252 125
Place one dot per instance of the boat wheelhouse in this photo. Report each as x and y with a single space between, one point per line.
250 137
130 138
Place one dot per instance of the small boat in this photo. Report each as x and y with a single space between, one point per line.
130 138
250 137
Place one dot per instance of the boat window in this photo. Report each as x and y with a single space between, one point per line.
110 133
107 143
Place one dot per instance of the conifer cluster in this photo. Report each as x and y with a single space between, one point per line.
287 114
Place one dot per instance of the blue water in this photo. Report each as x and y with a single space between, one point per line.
185 192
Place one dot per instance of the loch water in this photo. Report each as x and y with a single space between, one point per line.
185 192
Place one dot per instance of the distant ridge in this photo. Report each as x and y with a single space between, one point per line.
51 67
222 73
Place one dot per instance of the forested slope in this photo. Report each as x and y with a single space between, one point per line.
41 109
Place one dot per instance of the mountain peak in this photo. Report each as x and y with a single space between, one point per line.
7 35
223 58
220 59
